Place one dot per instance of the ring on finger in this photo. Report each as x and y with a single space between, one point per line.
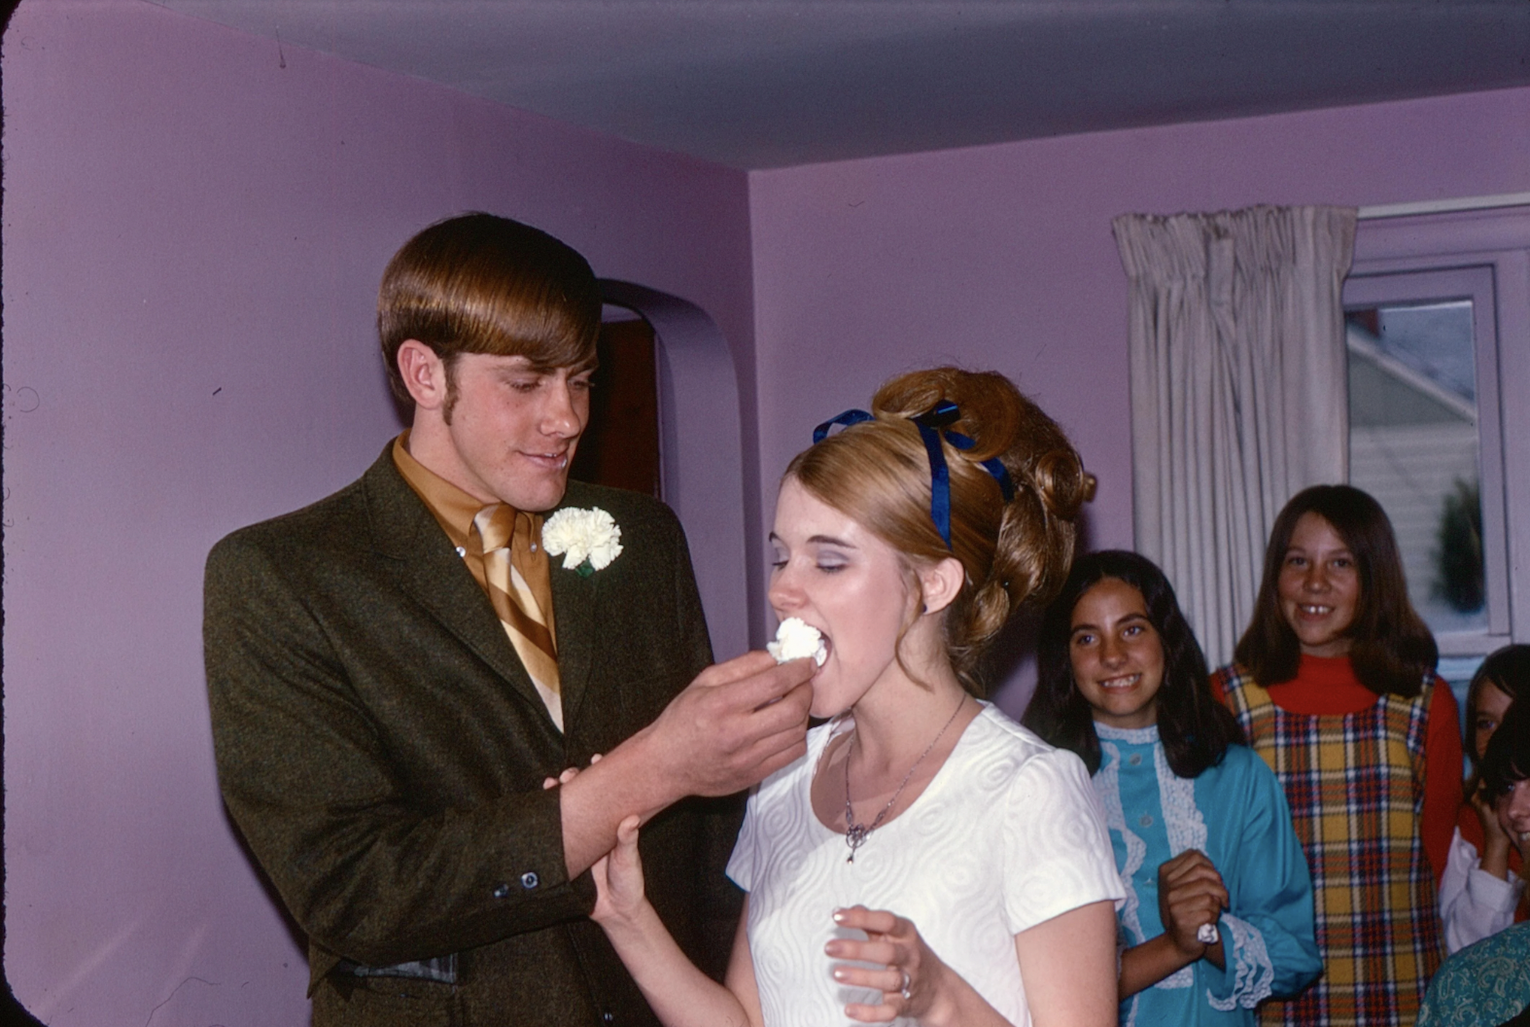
907 980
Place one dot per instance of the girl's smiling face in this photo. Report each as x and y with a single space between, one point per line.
1513 808
1117 655
1319 587
846 582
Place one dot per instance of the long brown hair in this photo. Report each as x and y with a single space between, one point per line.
1011 551
1392 650
1195 729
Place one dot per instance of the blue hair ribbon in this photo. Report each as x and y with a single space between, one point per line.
934 424
930 423
847 418
993 465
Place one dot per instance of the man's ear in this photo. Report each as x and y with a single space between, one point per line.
941 582
424 374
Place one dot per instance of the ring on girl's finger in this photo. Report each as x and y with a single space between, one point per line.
907 980
1207 934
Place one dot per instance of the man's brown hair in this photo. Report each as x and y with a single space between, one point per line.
479 283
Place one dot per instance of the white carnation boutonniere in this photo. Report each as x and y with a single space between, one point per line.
588 540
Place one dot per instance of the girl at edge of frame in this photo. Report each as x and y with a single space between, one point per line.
1334 684
976 885
1200 827
1487 983
1483 888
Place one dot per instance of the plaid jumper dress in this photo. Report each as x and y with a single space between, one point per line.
1355 784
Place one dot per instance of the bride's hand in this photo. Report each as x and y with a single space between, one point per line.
567 776
910 976
619 873
619 876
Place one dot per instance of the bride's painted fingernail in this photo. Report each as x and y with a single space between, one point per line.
840 974
839 916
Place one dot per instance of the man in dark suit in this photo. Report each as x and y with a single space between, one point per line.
396 671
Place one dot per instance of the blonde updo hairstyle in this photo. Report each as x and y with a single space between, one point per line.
877 472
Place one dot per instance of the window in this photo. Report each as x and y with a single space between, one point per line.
1416 406
1437 311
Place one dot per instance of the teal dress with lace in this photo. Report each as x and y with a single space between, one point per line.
1236 814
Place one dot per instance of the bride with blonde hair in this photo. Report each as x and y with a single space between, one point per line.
928 859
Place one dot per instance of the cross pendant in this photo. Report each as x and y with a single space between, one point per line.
855 837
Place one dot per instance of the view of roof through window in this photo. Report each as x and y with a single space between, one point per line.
1414 446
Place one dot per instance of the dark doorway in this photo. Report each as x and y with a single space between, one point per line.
620 446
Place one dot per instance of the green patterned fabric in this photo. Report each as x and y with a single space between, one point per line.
1483 985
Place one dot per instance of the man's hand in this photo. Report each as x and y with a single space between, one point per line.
736 723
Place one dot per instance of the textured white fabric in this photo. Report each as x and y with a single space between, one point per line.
1474 903
1238 391
1007 835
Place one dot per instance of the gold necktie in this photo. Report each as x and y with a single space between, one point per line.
514 601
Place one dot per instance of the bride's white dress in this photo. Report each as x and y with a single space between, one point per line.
1007 835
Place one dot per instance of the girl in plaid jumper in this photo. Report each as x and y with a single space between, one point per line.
1334 684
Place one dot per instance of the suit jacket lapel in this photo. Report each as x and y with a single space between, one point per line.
430 570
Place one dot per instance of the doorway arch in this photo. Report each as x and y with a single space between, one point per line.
701 451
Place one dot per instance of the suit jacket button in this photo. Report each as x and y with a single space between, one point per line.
502 892
530 880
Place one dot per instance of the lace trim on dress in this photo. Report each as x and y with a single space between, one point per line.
1132 735
1181 819
1253 973
1186 829
1107 785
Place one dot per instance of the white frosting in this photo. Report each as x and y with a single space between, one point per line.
795 639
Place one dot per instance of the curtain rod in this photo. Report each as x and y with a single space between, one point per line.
1397 210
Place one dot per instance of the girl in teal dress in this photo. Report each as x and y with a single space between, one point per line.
1218 914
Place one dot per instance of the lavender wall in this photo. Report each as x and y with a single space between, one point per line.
1002 256
195 223
194 226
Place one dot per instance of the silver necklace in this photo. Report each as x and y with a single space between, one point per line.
856 834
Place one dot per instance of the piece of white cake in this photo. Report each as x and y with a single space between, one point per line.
796 639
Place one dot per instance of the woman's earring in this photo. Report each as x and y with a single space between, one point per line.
924 608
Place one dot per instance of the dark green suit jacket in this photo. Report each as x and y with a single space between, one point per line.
383 750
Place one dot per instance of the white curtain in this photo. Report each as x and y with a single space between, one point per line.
1238 391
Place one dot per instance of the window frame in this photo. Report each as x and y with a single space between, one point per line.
1427 258
1440 285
